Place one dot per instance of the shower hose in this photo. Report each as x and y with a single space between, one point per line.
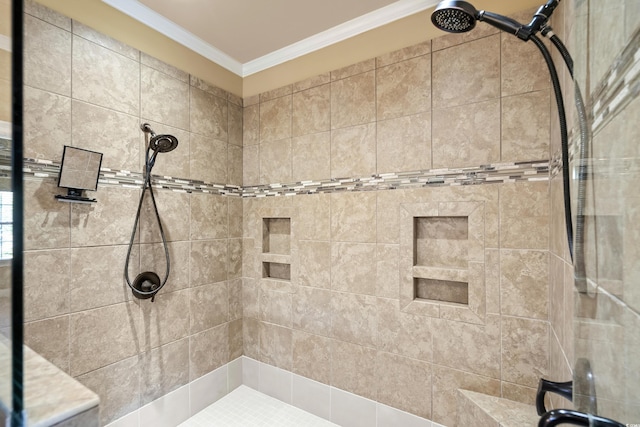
147 284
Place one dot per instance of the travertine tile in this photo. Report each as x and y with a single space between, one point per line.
47 56
353 267
446 382
118 386
208 262
314 263
276 345
276 93
353 151
48 15
492 280
163 370
519 393
311 157
275 162
251 337
103 40
481 344
467 135
153 258
312 310
354 318
94 282
276 307
46 221
163 98
402 333
353 368
387 277
469 413
404 143
404 383
353 100
556 296
105 78
235 339
235 299
251 125
208 115
209 216
209 306
50 339
208 159
164 320
251 100
103 336
525 350
108 222
174 209
311 110
313 81
353 69
312 356
524 215
481 30
521 70
235 259
235 125
524 283
525 126
235 218
353 216
404 88
46 284
467 73
416 50
208 350
313 221
123 128
275 119
205 86
251 165
163 67
47 124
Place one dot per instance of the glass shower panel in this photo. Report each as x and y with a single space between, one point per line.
606 37
6 204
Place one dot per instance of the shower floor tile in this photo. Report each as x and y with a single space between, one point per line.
246 407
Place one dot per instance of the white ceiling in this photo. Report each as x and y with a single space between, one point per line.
248 36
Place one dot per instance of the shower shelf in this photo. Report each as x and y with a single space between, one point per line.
276 248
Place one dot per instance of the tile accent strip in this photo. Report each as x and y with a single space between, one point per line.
619 86
484 174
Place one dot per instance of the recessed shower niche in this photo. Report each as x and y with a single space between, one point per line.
442 260
276 248
440 242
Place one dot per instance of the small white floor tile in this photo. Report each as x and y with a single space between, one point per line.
245 407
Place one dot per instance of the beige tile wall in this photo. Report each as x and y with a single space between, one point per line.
87 90
456 101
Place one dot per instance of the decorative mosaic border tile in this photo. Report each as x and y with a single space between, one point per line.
619 86
484 174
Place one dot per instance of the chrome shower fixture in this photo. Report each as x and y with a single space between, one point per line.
456 16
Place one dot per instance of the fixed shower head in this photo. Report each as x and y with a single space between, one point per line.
163 143
454 16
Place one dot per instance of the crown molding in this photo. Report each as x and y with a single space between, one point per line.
153 19
359 25
369 21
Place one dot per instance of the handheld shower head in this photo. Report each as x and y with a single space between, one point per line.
454 16
163 143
